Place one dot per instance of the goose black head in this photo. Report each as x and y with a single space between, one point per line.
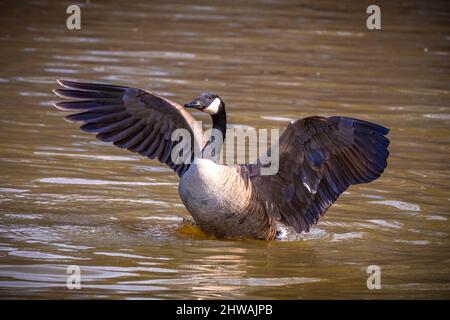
207 102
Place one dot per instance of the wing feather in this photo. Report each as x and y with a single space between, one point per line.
319 159
130 118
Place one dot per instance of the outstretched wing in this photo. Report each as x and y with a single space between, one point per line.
131 118
319 158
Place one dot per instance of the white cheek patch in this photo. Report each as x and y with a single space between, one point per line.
213 108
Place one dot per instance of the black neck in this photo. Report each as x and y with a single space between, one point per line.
219 121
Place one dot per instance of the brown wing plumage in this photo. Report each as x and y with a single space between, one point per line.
319 159
131 118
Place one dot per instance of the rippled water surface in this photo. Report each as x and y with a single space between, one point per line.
66 199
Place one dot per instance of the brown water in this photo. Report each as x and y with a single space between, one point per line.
66 199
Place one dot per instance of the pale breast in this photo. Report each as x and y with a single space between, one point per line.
216 196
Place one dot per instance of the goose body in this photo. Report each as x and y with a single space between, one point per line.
219 198
319 158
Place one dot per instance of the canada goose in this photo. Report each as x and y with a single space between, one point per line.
319 158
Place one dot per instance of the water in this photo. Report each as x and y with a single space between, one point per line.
66 199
